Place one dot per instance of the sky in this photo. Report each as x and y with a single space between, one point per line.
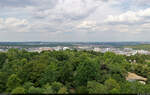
75 20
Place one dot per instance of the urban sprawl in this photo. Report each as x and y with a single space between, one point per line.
122 51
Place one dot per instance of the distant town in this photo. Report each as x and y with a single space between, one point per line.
97 47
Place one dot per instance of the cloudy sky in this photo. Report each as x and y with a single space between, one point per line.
74 20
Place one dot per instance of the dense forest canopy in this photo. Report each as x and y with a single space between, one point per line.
71 71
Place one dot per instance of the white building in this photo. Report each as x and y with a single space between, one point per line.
142 52
57 48
97 49
65 48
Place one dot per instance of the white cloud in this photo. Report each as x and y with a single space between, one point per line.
71 19
67 10
15 22
129 16
13 25
144 13
87 25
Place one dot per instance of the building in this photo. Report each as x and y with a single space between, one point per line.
97 49
65 48
57 48
134 77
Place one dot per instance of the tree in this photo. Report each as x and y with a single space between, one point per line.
48 89
33 71
96 88
114 91
76 72
134 88
2 59
27 85
33 90
65 72
13 54
111 84
13 82
111 57
117 71
81 90
50 74
63 90
18 90
86 71
3 81
56 86
147 88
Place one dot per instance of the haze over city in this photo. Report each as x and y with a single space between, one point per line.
74 20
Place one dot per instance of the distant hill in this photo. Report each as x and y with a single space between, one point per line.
72 43
141 46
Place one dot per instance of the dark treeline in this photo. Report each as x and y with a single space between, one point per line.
40 43
71 71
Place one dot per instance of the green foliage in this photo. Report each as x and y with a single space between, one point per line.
117 71
63 90
86 71
13 82
18 90
3 57
48 89
133 88
71 71
27 85
65 72
96 88
3 81
56 86
114 91
81 90
111 84
110 57
50 74
34 90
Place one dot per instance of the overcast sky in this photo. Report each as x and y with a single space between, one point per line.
74 20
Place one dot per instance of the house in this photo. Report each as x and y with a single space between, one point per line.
134 77
65 48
